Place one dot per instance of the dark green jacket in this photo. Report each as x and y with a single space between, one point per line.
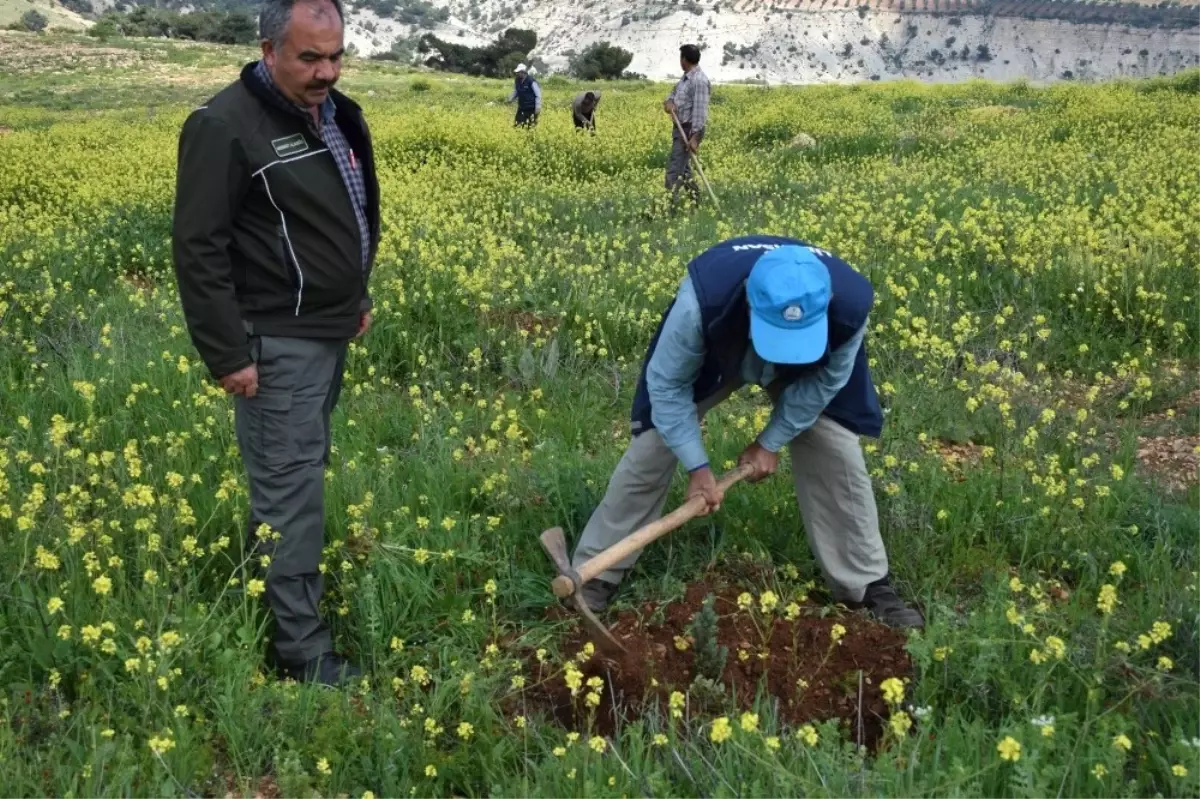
264 231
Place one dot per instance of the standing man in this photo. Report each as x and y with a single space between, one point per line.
790 317
276 225
583 110
528 96
688 102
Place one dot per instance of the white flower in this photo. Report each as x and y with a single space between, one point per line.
1043 721
922 713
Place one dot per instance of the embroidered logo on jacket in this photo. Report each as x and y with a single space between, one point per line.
289 145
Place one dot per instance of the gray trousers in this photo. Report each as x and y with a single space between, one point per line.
284 437
679 166
833 491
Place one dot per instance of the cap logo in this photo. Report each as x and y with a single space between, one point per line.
792 313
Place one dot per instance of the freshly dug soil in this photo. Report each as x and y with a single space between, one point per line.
653 666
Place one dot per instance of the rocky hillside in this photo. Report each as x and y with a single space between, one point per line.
813 41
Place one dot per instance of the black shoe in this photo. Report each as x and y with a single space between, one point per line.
884 605
330 670
596 594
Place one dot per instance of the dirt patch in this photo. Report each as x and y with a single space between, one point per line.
803 141
957 454
809 675
261 788
990 112
1184 407
521 320
139 283
1172 461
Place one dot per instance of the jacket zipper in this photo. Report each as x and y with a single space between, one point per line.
287 241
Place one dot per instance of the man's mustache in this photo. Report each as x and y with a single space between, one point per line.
320 84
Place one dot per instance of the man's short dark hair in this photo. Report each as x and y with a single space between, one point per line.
275 15
590 96
690 53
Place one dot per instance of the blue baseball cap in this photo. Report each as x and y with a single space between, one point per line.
789 292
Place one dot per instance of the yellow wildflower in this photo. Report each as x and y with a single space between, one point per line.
1009 749
893 691
721 730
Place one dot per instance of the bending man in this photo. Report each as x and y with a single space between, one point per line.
790 317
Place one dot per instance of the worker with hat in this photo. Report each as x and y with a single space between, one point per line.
583 110
791 318
528 96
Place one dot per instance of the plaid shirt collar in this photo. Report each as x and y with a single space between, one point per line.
339 148
327 109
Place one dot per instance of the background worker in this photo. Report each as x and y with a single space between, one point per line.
583 110
528 96
688 101
276 225
781 314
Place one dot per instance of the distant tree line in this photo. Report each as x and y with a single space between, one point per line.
220 27
494 60
421 13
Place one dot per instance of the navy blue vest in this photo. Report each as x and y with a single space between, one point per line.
719 278
526 99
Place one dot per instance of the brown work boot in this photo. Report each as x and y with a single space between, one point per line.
883 604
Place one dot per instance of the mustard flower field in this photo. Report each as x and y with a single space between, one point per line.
1035 253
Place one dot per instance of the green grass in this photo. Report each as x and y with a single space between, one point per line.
1036 276
59 19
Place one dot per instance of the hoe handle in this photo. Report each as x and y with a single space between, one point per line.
655 530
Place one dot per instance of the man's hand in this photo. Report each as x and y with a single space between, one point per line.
702 483
693 144
244 381
364 323
763 461
668 106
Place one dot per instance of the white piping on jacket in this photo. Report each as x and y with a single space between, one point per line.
286 238
289 160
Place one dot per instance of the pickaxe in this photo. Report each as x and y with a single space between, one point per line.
570 580
695 157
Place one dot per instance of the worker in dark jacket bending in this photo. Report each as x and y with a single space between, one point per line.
791 318
275 228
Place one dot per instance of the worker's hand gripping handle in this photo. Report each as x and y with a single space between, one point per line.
656 530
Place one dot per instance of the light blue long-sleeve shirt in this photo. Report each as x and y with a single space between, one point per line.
675 365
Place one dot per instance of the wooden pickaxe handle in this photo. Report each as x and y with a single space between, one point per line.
696 158
656 529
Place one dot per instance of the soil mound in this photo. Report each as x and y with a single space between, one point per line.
813 663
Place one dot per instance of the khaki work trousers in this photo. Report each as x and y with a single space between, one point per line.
833 491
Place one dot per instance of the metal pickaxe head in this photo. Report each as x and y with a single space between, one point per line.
568 583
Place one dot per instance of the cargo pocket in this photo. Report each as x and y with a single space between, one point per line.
271 430
270 415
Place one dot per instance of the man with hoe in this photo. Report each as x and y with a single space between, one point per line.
528 95
275 229
791 318
688 105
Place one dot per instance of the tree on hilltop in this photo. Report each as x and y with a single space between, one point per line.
601 60
34 20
